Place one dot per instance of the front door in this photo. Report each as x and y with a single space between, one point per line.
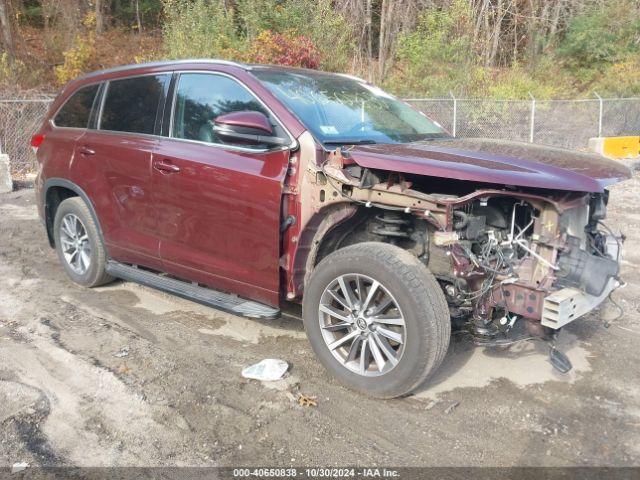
218 203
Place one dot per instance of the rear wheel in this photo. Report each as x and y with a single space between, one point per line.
79 245
376 318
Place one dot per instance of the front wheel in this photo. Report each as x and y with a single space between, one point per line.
376 318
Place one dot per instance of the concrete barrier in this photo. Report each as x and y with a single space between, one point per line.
616 147
6 184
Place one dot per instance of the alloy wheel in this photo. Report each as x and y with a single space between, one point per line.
75 244
362 324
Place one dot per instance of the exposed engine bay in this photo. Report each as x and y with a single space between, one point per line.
513 263
510 254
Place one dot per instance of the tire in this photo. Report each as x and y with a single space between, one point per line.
419 309
94 258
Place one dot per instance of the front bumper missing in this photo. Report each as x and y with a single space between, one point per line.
568 304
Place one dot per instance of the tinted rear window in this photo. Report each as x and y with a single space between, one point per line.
132 104
75 112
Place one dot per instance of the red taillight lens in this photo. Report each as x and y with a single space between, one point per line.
37 140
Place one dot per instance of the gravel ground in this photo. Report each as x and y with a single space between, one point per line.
127 376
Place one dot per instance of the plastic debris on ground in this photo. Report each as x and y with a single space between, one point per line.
18 467
268 370
124 352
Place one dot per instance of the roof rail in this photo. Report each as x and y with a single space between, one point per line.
133 66
352 77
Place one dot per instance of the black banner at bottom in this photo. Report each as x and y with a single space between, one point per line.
282 473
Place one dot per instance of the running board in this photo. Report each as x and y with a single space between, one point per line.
206 296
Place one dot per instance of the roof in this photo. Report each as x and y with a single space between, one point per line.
164 63
212 61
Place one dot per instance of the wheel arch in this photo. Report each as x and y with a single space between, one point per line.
310 240
56 190
334 227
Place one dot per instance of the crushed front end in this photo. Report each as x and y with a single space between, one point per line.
521 256
513 263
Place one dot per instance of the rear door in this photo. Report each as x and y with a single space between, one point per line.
117 157
218 203
66 127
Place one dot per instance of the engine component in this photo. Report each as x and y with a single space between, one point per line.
443 239
463 220
476 226
580 269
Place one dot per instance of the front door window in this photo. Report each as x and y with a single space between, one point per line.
201 97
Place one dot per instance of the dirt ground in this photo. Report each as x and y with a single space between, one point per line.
124 375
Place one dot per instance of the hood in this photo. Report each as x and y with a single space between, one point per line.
495 161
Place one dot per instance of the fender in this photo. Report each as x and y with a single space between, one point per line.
310 239
61 182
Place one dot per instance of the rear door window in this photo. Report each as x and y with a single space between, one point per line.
77 109
131 104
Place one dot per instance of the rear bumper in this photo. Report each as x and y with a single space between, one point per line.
569 304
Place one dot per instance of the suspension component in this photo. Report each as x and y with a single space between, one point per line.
391 224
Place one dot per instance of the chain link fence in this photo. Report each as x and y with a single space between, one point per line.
19 120
562 123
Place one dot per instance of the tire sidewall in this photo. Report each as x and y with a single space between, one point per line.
415 349
72 205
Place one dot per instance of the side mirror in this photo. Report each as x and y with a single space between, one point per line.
246 127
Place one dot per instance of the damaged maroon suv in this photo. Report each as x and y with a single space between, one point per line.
247 187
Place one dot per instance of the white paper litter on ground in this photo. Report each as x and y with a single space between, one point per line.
18 467
268 370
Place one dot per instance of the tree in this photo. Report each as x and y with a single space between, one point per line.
138 18
6 23
99 17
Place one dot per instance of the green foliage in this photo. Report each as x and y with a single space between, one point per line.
596 45
150 14
31 14
283 49
315 19
619 80
78 59
515 83
602 35
199 29
437 56
12 74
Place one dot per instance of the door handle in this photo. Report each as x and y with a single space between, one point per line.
86 151
165 167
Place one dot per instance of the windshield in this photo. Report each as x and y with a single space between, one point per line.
343 110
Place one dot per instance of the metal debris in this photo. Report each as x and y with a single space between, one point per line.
451 407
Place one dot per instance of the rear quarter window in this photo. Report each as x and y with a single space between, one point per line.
77 109
131 104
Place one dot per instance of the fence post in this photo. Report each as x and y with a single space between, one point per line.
455 113
599 114
533 117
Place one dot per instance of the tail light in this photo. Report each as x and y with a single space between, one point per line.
36 141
